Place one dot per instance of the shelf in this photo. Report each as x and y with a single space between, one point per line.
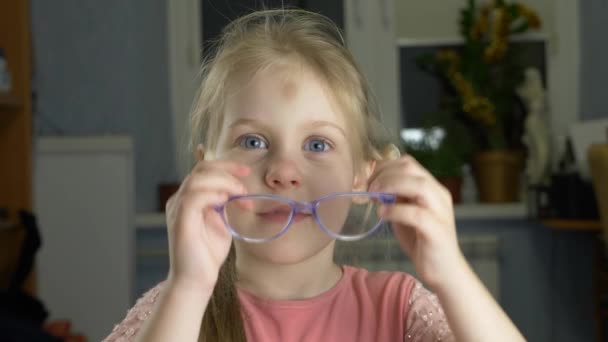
574 225
477 211
458 40
9 102
7 225
515 210
150 221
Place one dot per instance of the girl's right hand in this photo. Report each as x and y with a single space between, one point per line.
198 239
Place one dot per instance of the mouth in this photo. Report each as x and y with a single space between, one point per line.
281 214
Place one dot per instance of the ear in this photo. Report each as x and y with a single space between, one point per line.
199 154
362 176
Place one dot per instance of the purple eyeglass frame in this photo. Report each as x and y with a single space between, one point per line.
296 207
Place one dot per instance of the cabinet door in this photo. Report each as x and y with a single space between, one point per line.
84 200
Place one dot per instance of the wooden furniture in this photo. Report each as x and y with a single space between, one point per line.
598 164
11 237
592 226
16 112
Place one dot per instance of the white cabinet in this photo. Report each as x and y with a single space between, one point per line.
84 201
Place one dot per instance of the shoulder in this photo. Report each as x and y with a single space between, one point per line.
385 290
426 320
381 281
417 309
125 331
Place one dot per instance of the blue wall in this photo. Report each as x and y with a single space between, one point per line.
594 54
101 68
546 278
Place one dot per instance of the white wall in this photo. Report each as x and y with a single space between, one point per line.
439 18
184 60
370 35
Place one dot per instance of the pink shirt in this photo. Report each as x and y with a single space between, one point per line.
363 306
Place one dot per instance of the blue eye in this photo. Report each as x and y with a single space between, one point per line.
252 142
317 145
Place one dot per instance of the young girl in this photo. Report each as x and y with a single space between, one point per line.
286 132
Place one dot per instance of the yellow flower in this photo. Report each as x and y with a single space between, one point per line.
482 24
529 15
479 108
498 45
450 57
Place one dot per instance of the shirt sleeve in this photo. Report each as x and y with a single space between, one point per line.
126 330
426 321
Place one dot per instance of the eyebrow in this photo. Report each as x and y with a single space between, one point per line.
313 124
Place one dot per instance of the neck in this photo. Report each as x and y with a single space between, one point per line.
302 280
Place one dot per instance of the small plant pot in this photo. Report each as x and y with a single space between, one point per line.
454 186
498 174
165 191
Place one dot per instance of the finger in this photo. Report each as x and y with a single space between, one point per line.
405 163
214 221
215 180
416 167
421 190
232 167
193 206
407 237
408 215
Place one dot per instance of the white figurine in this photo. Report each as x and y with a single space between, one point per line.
536 131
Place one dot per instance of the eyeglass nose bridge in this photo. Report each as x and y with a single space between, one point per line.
303 207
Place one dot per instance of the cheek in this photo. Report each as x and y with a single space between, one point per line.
244 157
338 178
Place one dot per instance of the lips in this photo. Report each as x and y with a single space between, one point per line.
281 214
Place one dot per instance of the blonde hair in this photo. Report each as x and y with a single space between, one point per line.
256 42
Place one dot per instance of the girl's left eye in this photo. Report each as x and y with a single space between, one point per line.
317 145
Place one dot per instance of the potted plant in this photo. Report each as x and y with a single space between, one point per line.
442 150
480 81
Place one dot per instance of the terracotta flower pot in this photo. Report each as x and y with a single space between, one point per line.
165 191
498 175
454 185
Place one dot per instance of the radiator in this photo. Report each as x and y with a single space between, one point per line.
382 252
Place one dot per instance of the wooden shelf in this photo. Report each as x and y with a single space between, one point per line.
9 102
574 225
150 221
7 225
490 211
16 114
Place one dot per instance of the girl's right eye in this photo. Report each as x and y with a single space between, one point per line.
252 142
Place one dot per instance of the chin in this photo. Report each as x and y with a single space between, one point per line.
284 250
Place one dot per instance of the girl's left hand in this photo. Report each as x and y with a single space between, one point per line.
422 218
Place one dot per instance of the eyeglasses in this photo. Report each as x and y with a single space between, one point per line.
343 216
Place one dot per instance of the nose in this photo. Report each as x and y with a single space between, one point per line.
283 173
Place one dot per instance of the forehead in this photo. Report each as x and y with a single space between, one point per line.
296 92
